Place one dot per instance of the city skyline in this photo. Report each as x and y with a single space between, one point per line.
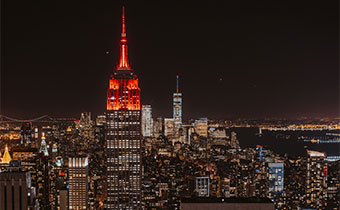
233 59
208 106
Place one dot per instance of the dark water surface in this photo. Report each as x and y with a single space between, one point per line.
286 142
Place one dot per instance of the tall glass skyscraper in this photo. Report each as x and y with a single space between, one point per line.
276 175
177 108
123 135
147 121
316 179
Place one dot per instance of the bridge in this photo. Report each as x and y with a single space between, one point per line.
41 119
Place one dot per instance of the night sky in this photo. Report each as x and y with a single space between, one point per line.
234 58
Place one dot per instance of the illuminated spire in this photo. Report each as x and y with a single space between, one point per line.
123 61
123 23
7 157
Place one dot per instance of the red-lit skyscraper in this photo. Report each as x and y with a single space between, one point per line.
123 134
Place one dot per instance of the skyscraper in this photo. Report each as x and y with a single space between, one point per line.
169 127
177 108
203 186
259 149
316 179
16 191
26 134
123 134
78 175
276 173
43 172
43 147
147 121
158 127
201 127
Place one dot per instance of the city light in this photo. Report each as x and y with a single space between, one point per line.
177 131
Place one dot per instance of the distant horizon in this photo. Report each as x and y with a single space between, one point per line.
94 115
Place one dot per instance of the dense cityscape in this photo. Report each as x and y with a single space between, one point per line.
126 158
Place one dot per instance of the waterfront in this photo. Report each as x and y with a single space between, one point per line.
287 142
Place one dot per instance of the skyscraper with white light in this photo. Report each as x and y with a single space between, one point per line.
316 179
78 182
177 108
147 121
123 135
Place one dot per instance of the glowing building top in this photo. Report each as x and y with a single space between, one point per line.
123 61
123 92
7 157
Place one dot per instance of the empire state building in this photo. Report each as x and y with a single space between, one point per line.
123 134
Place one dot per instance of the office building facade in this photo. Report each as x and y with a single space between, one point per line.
78 182
203 186
147 121
16 191
201 127
316 179
276 178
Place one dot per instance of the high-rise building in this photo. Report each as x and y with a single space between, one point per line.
147 121
43 181
177 108
16 191
60 193
333 184
78 182
62 199
261 183
201 127
169 127
85 125
26 134
276 175
259 149
43 147
123 135
203 186
29 159
316 179
158 127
